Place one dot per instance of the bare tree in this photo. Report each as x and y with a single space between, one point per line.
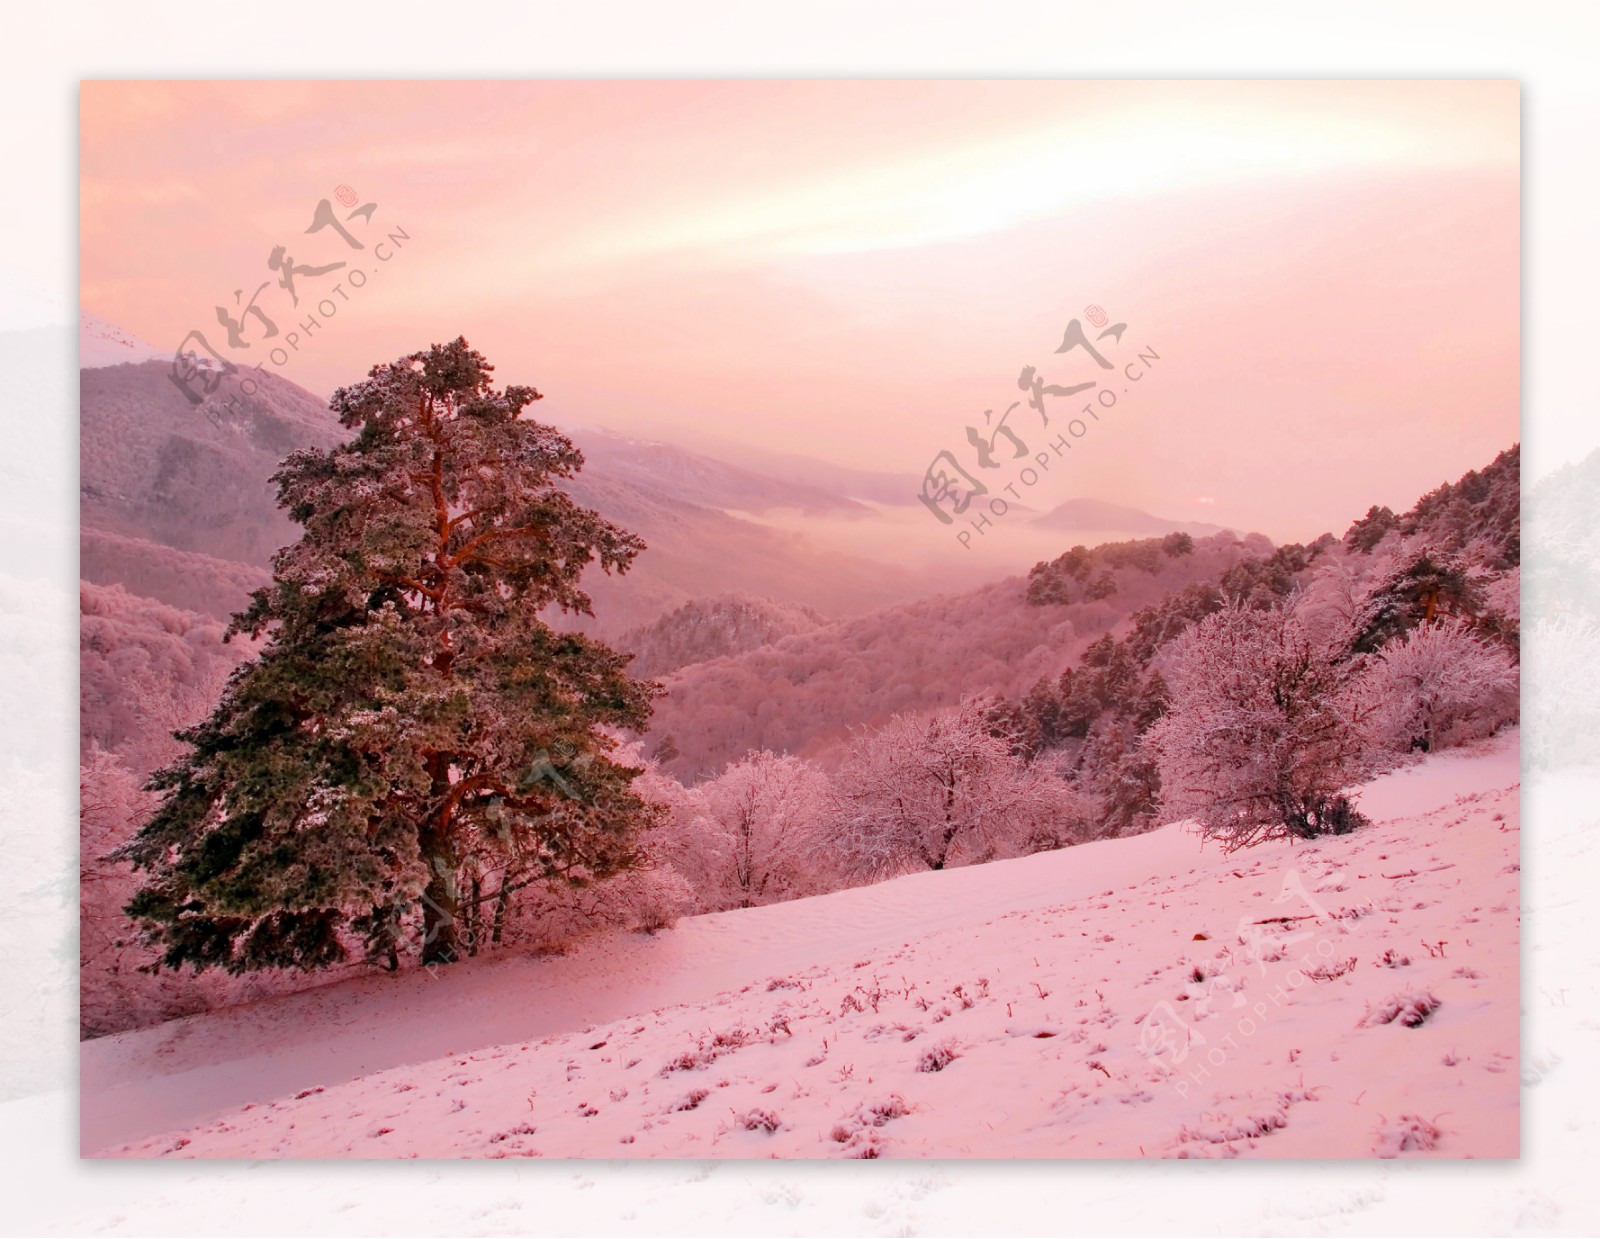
1261 731
761 824
1438 680
925 793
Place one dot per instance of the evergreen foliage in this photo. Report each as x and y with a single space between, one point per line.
410 712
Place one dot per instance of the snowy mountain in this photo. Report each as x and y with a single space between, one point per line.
156 470
879 486
701 479
1099 517
103 344
1140 997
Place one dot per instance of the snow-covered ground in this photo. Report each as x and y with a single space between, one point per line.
1139 997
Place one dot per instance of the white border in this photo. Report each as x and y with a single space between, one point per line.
1549 48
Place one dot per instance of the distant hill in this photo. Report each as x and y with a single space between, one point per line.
804 692
701 479
1099 516
158 476
880 486
709 628
155 467
102 344
186 579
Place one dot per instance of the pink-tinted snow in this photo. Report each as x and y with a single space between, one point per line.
1137 997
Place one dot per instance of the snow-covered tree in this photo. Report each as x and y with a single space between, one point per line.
1439 679
109 801
1370 530
1333 598
1120 776
677 836
1261 730
410 719
1416 587
760 832
926 793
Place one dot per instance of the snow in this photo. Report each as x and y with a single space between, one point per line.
102 344
1038 986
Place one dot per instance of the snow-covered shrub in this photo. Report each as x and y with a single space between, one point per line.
1408 1133
885 1111
1409 1008
551 916
708 1049
1332 970
926 793
1226 1130
1441 683
938 1057
759 830
650 900
1260 731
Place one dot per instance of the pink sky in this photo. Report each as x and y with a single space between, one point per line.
856 271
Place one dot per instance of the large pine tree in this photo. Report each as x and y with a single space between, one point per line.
409 711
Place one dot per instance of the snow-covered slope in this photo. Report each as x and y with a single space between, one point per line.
103 344
1139 997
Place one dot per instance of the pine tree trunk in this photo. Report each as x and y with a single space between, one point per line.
441 940
441 902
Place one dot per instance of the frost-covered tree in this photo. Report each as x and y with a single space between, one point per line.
410 715
109 799
925 793
677 835
1120 774
550 913
1370 530
760 830
1439 679
1334 597
1418 587
1261 730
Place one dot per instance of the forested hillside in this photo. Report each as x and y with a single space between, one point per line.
793 749
1454 555
710 628
803 693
